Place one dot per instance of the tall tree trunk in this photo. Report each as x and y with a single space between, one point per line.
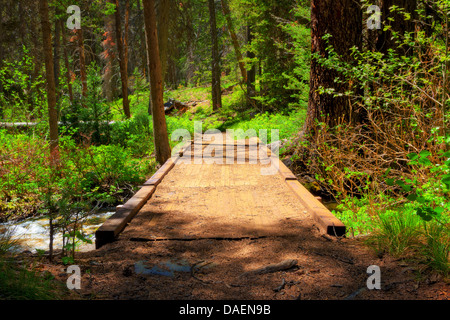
143 48
162 146
82 55
50 77
108 56
234 40
22 15
163 16
66 61
1 53
216 88
56 58
36 52
122 62
125 37
190 33
343 20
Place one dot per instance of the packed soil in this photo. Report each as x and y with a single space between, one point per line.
323 269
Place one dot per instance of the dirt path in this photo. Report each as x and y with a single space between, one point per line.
219 269
209 227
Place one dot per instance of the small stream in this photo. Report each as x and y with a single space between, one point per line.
33 234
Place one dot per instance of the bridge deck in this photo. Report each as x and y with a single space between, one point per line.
226 194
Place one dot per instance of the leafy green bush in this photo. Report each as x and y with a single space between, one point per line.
21 99
87 118
287 125
84 172
416 224
135 134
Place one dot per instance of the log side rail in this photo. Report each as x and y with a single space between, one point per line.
112 227
326 221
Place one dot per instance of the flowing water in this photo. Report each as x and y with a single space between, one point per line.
33 234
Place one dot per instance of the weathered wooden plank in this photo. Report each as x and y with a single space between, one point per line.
161 173
285 171
327 222
254 141
124 214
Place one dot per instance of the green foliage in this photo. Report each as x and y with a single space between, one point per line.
300 48
19 283
275 42
416 225
21 98
87 117
286 124
89 173
135 135
430 196
396 233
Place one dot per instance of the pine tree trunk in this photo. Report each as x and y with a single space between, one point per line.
108 56
190 58
83 73
50 77
162 146
1 53
234 40
163 16
122 62
56 58
216 88
66 61
143 48
125 38
343 20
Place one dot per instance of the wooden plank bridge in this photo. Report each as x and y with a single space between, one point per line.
218 188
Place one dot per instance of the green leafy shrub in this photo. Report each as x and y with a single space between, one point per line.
135 134
87 118
21 99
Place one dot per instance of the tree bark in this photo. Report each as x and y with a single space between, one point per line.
1 53
83 73
50 77
216 88
234 40
343 20
190 33
143 48
108 56
56 58
163 16
36 52
162 146
122 62
126 36
66 61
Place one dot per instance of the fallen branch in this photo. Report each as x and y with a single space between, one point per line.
285 265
